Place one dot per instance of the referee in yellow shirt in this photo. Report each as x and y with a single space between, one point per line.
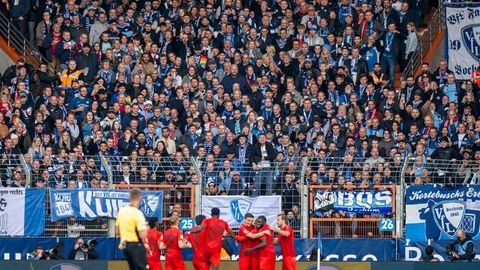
131 227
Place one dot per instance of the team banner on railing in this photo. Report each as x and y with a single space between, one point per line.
92 203
463 39
357 201
437 213
22 211
234 208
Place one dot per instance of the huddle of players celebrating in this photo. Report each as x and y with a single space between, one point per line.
257 241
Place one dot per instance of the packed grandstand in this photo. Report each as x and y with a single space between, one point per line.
312 108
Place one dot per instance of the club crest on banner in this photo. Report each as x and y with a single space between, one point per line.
471 39
239 208
449 216
150 205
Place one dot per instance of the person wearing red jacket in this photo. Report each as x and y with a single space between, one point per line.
215 228
197 241
173 242
247 237
285 238
266 248
153 240
476 75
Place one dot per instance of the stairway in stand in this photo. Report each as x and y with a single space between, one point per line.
399 73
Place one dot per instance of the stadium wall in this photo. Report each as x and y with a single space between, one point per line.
122 265
386 250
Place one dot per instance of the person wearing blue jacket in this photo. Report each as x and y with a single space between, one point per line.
18 13
371 54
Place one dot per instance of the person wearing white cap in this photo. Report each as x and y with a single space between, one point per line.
259 127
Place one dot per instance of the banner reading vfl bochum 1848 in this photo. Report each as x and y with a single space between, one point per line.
437 213
92 203
22 211
463 39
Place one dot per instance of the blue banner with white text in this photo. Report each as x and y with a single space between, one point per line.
22 211
462 40
89 204
355 201
437 213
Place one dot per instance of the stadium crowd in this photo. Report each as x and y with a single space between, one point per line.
243 88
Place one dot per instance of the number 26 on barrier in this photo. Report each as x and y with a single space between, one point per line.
387 225
186 224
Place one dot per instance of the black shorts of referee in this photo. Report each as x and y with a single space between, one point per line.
136 256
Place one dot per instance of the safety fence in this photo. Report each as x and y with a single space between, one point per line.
177 199
185 180
446 172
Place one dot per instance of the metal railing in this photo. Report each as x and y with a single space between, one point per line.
425 39
185 180
449 173
19 42
151 170
13 171
178 198
281 177
353 171
57 171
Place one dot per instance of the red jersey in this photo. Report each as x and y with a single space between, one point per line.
269 249
243 231
170 239
153 237
286 243
214 230
198 243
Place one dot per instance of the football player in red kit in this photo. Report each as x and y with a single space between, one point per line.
285 238
266 248
173 242
246 236
197 240
153 240
215 229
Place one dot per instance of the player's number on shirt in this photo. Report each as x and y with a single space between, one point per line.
387 225
186 224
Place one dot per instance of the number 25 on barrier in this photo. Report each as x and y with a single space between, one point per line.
387 225
186 224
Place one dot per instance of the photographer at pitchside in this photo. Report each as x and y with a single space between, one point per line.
462 249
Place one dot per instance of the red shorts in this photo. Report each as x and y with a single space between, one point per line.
267 263
212 257
254 261
200 264
289 263
155 265
175 264
245 262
